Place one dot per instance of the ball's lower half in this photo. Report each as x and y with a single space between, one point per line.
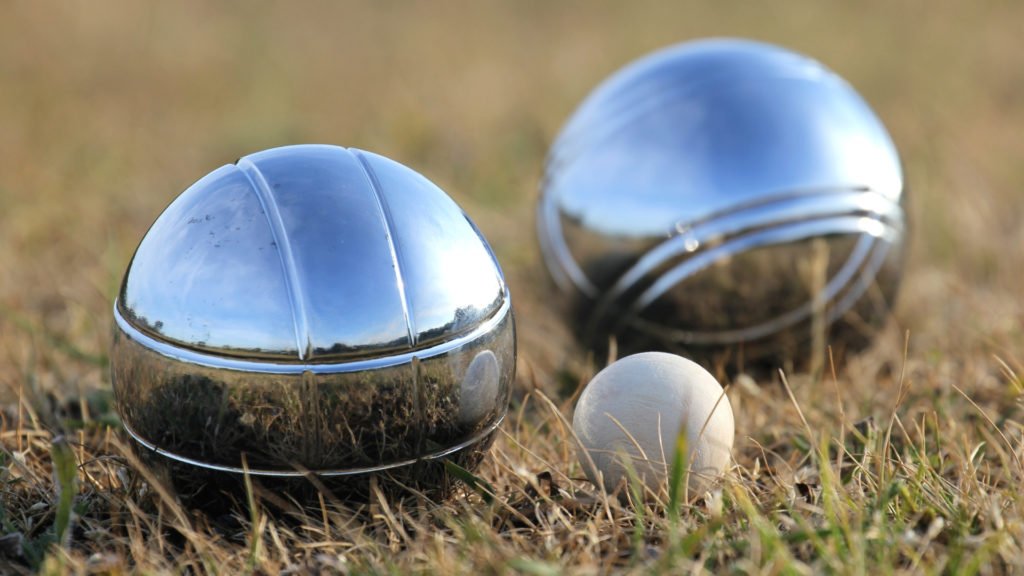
215 419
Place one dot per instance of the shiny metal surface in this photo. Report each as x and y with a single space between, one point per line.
314 308
724 194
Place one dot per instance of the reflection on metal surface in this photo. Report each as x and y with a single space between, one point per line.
314 308
480 387
686 199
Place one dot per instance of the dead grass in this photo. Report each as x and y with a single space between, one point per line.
908 460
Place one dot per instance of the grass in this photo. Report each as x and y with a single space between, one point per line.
906 459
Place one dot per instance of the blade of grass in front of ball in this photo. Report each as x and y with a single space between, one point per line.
678 474
255 538
477 484
637 489
65 476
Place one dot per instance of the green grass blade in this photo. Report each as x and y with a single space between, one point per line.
678 476
475 483
65 476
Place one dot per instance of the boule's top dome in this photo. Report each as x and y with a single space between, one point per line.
311 254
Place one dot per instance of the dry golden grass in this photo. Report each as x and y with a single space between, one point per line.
910 460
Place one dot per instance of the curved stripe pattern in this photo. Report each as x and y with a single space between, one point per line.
780 219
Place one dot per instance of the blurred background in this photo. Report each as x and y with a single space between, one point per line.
108 110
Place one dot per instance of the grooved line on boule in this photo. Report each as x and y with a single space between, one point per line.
396 261
284 249
396 255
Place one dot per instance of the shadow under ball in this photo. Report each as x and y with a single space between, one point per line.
724 199
313 309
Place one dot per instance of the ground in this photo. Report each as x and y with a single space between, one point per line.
906 459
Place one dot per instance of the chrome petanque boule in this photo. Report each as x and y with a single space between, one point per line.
313 310
724 199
